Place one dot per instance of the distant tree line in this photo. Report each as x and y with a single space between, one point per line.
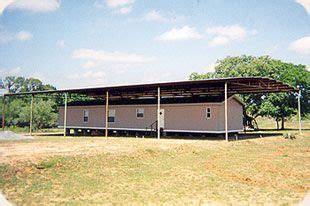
45 111
279 106
21 84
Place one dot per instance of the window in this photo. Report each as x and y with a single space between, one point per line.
208 113
140 113
85 116
111 117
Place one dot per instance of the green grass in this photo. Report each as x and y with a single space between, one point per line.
291 124
268 170
45 164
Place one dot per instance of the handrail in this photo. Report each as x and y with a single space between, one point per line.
155 125
152 126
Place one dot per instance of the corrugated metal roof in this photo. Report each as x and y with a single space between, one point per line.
236 85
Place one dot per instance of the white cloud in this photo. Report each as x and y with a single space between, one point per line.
30 5
231 31
218 40
90 64
61 43
155 16
89 78
98 57
305 4
23 36
124 10
6 37
4 4
119 3
180 34
120 6
224 34
301 46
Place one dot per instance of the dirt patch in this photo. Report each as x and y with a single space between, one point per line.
36 150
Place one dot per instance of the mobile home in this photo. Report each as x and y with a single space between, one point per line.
203 116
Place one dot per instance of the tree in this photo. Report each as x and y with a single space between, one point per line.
21 84
196 76
277 106
45 112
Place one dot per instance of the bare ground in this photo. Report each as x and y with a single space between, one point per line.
43 147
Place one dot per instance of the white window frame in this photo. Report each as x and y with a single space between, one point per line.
140 111
208 112
85 111
112 113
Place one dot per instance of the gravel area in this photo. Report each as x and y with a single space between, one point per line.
8 135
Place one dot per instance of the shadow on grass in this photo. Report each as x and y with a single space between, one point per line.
263 133
48 134
231 137
286 129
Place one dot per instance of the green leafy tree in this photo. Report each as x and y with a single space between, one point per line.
44 115
45 112
272 106
21 84
278 106
197 76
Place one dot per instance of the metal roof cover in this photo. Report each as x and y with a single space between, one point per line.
236 85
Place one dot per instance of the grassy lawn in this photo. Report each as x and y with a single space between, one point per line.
292 124
81 170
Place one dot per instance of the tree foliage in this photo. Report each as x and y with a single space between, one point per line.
277 106
21 84
45 112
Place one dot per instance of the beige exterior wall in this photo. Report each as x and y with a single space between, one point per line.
183 117
235 115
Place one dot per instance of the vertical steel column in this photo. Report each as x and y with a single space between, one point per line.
106 114
299 112
65 114
226 114
158 113
31 115
3 113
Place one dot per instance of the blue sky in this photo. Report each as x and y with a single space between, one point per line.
106 42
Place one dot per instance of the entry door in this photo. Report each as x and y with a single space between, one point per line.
162 118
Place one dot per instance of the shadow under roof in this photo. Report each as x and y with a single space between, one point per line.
235 85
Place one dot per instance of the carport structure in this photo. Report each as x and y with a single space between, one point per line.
174 90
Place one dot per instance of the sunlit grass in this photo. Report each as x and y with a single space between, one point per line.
291 124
